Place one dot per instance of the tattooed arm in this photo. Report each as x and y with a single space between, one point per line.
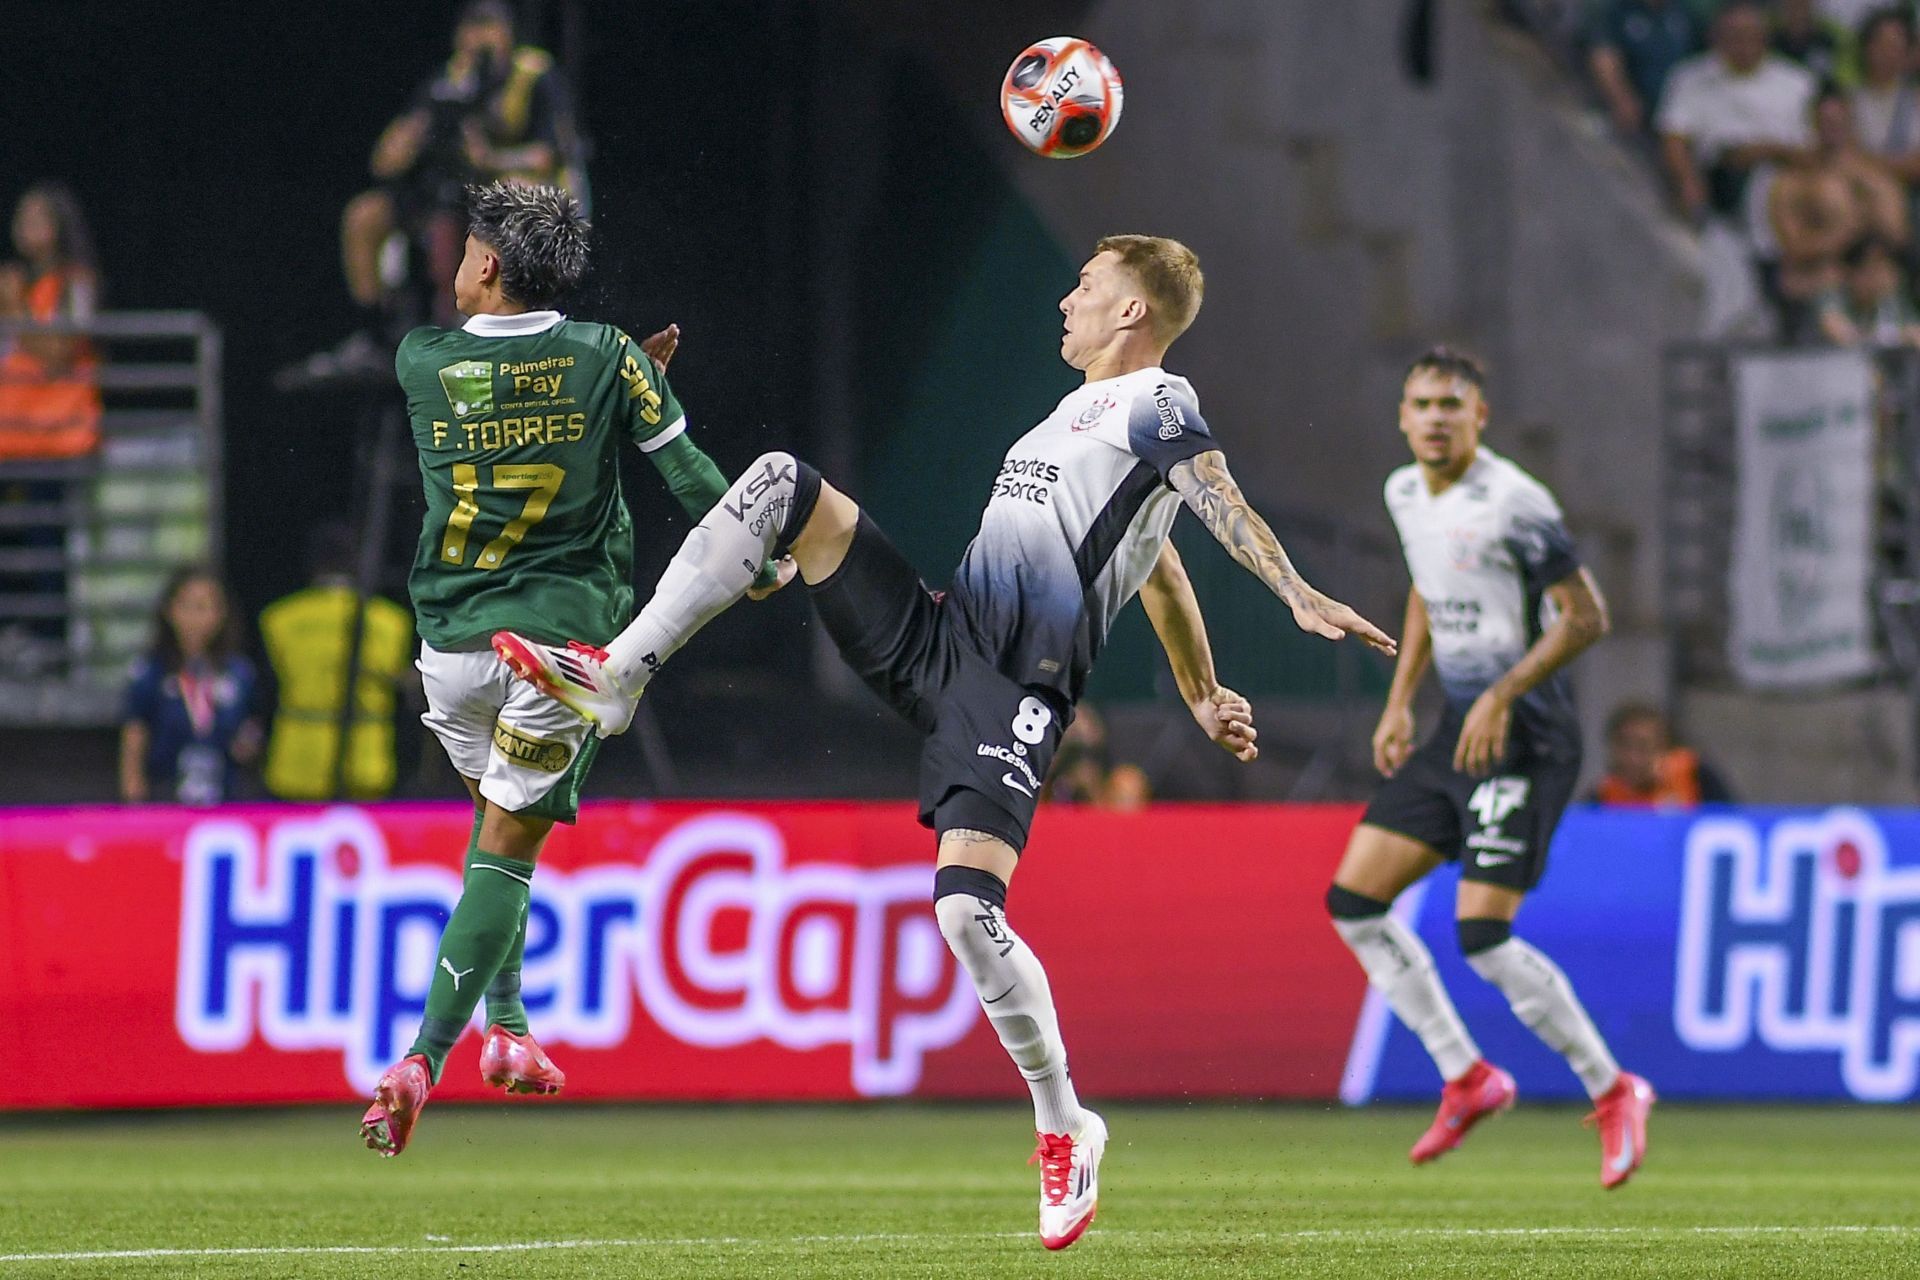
1207 487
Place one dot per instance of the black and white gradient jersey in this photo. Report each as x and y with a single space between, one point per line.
1075 523
1482 554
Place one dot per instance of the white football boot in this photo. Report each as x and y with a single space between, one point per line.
573 676
1069 1180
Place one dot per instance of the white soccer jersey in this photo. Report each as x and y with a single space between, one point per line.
1075 523
1482 554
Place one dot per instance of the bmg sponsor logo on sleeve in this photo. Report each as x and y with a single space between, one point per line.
1805 938
308 938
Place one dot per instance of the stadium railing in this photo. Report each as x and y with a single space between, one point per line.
146 501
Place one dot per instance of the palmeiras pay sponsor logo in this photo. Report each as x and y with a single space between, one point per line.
1802 938
304 937
469 387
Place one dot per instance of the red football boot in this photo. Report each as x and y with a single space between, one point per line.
397 1101
518 1064
1482 1091
1620 1114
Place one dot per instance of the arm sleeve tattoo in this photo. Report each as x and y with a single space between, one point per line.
1208 488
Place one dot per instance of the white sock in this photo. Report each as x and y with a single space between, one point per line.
1018 1002
1401 968
713 568
1542 998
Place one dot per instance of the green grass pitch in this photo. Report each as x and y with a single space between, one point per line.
532 1190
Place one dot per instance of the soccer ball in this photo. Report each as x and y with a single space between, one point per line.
1061 97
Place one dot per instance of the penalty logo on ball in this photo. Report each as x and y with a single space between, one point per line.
1061 97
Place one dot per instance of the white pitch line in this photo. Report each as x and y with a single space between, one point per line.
882 1237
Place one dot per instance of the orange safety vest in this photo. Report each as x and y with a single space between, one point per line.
1677 785
43 414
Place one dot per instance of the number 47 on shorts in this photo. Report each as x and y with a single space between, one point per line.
1496 799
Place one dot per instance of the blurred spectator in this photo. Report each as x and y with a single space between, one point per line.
1816 42
1632 46
1851 13
49 403
1083 771
1818 206
1886 106
496 110
1645 768
1128 789
1871 307
191 716
49 411
1730 111
308 635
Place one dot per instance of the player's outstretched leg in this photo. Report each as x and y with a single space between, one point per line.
763 512
574 675
970 905
1541 997
1400 967
477 940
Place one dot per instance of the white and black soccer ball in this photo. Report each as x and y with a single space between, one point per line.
1061 97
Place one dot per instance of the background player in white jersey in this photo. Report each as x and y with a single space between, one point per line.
1487 550
1075 526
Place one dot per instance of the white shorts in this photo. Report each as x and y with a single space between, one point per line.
527 751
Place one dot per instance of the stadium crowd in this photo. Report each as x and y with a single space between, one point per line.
1789 134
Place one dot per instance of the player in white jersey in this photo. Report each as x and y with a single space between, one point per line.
989 671
1487 550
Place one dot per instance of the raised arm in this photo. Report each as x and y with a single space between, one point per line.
1208 488
1225 716
1581 621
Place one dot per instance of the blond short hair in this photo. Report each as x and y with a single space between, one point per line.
1169 274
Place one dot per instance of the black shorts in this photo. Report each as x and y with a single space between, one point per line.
1498 827
989 739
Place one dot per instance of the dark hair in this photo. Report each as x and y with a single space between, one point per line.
72 241
1631 712
1829 90
1447 360
165 646
479 12
1856 252
1896 14
330 549
539 234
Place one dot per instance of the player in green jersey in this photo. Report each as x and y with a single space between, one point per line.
519 416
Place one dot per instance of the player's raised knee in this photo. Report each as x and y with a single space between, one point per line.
961 897
774 496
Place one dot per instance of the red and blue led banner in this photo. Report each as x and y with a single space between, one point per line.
160 957
1740 953
163 957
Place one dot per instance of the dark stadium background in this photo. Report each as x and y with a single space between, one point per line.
214 145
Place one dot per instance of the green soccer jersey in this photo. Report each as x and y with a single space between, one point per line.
518 421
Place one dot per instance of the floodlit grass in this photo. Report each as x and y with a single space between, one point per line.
532 1189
